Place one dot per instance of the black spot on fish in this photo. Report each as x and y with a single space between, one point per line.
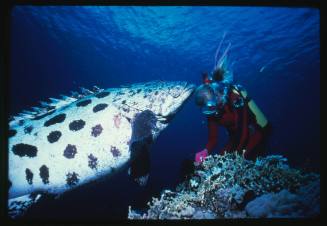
38 117
99 107
57 119
83 103
12 132
28 130
96 130
76 125
102 94
21 122
29 176
93 161
70 151
44 174
24 150
128 119
145 96
54 136
72 179
123 102
156 93
149 90
125 109
35 134
115 151
139 90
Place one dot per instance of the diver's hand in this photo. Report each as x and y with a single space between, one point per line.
200 156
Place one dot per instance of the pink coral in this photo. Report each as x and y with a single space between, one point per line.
117 120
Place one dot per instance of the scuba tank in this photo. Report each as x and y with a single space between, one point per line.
223 74
260 117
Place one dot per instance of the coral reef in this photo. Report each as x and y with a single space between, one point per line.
229 186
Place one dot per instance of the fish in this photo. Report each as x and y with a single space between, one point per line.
78 139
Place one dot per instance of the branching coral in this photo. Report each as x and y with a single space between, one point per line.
223 186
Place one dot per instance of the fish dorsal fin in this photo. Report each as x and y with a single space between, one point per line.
52 104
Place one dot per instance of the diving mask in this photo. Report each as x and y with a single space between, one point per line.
210 108
211 98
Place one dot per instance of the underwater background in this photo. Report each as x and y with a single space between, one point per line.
275 55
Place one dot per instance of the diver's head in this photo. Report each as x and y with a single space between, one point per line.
218 74
211 98
206 78
205 98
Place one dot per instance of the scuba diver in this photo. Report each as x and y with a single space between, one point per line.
228 105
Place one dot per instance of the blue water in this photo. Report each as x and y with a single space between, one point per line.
276 55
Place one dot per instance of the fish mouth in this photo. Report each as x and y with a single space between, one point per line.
187 93
187 89
165 119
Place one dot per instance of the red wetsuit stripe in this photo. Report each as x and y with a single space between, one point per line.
212 134
237 121
244 129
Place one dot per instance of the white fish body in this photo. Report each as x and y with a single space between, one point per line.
85 137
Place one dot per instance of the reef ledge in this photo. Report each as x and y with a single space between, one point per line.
229 186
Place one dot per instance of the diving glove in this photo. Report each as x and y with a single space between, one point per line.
200 156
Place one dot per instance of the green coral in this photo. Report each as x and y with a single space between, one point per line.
221 186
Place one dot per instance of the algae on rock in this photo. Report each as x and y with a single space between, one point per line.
229 186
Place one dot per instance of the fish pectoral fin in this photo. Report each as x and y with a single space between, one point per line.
129 172
140 164
143 180
18 206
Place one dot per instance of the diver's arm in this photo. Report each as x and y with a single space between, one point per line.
244 128
212 134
